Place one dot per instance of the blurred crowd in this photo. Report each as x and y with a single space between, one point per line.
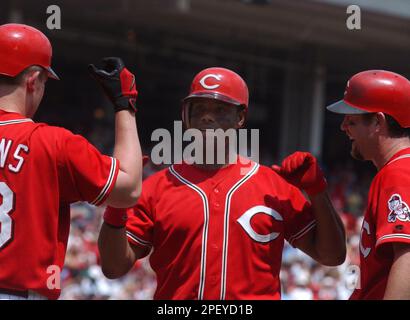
301 277
82 277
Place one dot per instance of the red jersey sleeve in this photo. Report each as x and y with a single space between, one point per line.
140 222
84 173
392 208
299 218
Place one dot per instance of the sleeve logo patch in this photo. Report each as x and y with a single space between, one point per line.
398 209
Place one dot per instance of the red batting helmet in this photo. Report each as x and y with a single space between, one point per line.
376 91
22 46
220 84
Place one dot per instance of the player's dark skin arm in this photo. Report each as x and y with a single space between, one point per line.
326 243
117 255
398 283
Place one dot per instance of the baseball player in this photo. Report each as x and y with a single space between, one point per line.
376 105
216 231
44 168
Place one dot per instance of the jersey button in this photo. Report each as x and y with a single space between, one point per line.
216 190
216 204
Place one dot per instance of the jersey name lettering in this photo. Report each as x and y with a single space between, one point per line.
5 147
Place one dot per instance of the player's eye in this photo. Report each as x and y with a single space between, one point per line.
197 109
220 109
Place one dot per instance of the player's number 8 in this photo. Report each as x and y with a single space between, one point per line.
5 219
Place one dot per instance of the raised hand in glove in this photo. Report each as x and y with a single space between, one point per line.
301 170
117 82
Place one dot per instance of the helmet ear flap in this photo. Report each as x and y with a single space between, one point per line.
186 113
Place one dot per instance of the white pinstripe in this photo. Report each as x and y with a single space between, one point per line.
228 198
202 194
205 231
137 239
399 158
394 236
107 186
302 232
16 121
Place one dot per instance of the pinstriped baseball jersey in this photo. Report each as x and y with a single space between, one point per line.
42 170
386 221
218 234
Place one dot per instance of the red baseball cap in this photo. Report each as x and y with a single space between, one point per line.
376 91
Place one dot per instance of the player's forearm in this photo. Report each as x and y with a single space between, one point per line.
118 84
127 150
117 258
330 241
398 283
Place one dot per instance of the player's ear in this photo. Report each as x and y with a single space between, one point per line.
380 120
241 118
32 80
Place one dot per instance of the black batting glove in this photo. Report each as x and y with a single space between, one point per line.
117 82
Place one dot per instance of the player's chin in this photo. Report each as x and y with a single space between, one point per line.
356 154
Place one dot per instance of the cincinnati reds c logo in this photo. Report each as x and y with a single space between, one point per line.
210 87
245 221
365 251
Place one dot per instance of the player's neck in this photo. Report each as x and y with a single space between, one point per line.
210 167
13 102
233 158
388 149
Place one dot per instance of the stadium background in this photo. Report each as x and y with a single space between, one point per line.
296 57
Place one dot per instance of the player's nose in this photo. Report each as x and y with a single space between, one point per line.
207 117
343 125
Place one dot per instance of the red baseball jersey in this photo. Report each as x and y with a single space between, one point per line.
386 221
218 234
43 169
